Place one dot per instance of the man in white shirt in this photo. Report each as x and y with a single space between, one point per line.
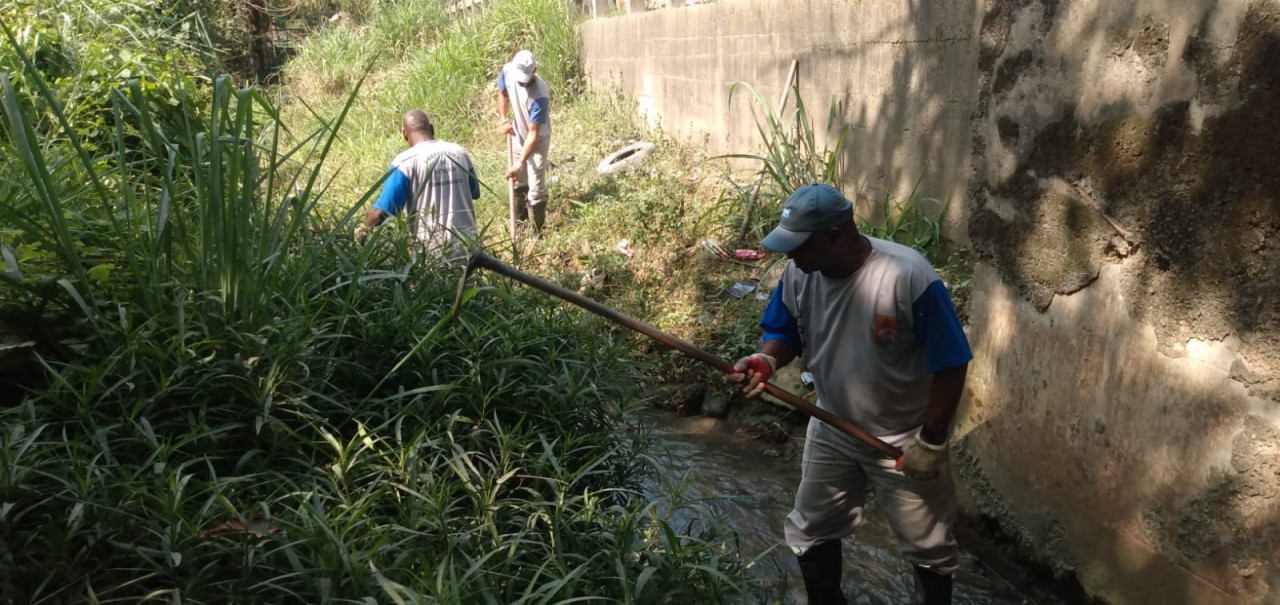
528 98
433 184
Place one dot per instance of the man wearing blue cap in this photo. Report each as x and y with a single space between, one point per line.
880 334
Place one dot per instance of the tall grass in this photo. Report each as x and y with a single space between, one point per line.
400 26
334 59
243 406
445 66
792 157
455 78
85 48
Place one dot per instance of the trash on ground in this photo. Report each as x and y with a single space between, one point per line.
740 289
762 296
714 247
627 157
623 248
593 278
748 254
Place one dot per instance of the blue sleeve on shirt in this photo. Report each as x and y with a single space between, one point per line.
474 183
502 80
395 193
937 326
539 112
779 324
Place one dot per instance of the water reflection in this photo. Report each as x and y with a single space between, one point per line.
753 490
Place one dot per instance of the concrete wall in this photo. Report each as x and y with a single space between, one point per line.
1115 165
897 73
1125 202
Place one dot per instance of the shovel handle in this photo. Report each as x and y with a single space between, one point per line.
513 209
480 259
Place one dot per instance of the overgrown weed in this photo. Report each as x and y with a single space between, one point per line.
244 406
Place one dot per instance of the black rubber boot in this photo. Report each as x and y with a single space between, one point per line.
522 203
820 566
539 213
934 588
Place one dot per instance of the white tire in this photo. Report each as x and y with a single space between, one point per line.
626 158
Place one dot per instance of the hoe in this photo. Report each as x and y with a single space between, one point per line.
481 260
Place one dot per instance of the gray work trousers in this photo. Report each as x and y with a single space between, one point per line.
534 175
837 474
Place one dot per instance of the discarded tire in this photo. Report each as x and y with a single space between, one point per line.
627 157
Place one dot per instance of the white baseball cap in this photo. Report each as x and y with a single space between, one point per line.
522 66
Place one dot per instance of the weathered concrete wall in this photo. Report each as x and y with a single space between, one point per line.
1126 203
1119 168
902 75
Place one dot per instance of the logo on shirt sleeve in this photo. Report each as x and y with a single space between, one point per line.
886 329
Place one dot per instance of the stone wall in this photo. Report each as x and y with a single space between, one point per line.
1114 165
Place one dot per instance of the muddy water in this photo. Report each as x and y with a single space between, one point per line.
752 489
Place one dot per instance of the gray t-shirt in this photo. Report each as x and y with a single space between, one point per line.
530 104
872 339
437 178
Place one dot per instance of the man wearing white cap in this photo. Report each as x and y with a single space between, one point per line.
880 334
529 98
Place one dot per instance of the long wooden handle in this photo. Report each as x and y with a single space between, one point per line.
480 259
511 188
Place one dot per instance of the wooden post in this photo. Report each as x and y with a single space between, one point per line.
793 81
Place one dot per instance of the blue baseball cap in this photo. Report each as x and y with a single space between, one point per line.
810 208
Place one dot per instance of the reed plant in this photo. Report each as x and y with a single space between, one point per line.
793 155
240 405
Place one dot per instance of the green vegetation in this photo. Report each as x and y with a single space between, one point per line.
84 49
664 210
234 403
239 405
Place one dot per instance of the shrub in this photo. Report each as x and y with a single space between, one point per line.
243 406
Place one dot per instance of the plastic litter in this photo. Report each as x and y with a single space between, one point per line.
748 254
623 247
739 289
714 247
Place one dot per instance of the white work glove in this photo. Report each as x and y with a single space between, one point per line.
756 369
921 459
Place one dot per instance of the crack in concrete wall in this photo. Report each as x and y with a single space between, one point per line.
1195 187
1162 115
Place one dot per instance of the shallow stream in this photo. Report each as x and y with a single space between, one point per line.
752 489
